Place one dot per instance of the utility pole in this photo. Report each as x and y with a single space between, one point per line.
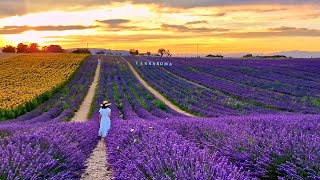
197 50
87 45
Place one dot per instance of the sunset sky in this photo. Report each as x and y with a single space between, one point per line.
218 26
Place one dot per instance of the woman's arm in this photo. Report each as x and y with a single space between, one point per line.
100 118
109 114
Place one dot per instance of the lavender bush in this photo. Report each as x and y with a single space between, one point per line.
145 150
267 146
52 152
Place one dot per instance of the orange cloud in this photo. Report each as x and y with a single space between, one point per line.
21 29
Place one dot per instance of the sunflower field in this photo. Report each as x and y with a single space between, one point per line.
28 80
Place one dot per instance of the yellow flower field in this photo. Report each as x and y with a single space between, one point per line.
24 77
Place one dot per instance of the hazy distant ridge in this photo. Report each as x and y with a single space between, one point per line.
294 54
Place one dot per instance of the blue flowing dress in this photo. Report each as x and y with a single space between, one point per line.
105 122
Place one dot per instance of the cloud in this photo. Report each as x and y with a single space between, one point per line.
283 28
21 29
20 7
258 9
129 28
183 28
119 25
267 10
11 8
196 22
220 14
114 22
211 3
310 16
274 32
116 38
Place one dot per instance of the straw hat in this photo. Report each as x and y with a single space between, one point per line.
105 103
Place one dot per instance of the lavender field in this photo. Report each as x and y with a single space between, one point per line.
254 119
236 87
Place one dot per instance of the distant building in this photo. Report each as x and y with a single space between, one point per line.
117 52
106 51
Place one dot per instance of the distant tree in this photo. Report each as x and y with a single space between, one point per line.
33 48
274 56
22 48
9 49
134 52
161 51
100 52
148 53
248 56
52 49
84 51
168 53
214 56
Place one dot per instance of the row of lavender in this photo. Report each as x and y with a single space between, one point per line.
238 83
40 145
139 148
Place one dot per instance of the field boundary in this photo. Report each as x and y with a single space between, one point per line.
155 92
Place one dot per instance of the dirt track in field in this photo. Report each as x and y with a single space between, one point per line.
97 165
82 113
155 92
97 162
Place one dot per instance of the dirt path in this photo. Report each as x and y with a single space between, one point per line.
155 92
82 113
97 162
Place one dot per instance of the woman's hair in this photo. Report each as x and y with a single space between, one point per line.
105 106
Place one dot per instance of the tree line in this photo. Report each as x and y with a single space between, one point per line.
271 56
35 48
161 52
32 48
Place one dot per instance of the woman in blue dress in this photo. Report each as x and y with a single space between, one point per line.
104 118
